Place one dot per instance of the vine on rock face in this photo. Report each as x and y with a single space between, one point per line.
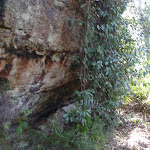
107 60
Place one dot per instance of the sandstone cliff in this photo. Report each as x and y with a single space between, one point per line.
36 48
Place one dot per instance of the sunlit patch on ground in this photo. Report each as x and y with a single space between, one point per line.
133 133
139 138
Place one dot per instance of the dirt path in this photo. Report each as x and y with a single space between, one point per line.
133 132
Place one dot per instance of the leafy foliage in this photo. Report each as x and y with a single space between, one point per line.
58 138
107 61
140 93
144 22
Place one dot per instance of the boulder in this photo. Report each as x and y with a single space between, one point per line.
38 39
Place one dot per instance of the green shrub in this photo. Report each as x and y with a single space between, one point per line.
141 88
72 137
107 61
140 93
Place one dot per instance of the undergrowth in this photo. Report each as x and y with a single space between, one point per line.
140 93
55 137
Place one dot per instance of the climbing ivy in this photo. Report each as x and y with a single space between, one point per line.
107 60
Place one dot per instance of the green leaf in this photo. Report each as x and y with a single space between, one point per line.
7 125
83 5
98 27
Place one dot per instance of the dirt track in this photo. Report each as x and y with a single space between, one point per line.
133 132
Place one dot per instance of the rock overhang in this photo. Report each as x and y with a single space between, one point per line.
36 48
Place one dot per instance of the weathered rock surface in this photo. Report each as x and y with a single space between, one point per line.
36 48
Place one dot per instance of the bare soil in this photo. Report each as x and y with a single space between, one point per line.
133 132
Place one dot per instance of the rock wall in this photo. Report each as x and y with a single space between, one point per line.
37 42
